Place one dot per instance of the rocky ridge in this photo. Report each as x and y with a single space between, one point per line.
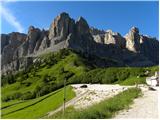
18 50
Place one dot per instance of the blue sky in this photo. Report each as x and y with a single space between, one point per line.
118 16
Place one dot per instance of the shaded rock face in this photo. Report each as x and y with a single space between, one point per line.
19 50
9 44
82 39
17 65
95 31
4 41
33 43
32 38
149 47
110 37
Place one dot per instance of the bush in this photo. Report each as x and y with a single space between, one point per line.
45 78
68 74
27 95
6 99
26 83
12 96
122 74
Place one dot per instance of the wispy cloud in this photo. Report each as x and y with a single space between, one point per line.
10 18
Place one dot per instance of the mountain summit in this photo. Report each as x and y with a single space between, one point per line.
19 50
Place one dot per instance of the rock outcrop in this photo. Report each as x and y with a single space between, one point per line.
9 44
110 37
61 27
18 50
133 40
95 31
149 47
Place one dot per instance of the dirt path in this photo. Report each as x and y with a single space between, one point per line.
71 102
143 107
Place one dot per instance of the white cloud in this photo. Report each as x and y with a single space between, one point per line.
8 0
11 19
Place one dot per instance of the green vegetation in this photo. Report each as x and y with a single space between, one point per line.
38 107
120 75
47 75
133 81
49 71
102 110
44 76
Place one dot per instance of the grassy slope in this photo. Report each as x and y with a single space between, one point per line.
67 63
105 109
37 108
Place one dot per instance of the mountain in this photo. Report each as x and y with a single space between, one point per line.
20 50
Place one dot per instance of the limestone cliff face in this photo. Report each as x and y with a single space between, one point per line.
149 47
9 43
18 50
61 27
133 40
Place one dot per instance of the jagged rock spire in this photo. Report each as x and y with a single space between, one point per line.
133 40
60 28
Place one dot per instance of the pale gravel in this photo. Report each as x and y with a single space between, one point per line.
145 107
95 93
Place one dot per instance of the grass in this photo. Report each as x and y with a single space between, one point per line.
132 81
38 107
10 103
16 87
106 109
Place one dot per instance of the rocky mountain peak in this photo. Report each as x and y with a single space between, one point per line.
64 32
60 28
82 26
134 30
63 15
95 31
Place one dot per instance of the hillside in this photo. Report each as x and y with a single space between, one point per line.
47 74
49 71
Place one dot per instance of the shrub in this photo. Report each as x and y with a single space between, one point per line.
13 96
109 76
122 74
27 95
6 98
45 78
68 74
26 83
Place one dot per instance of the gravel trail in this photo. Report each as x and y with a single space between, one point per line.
143 107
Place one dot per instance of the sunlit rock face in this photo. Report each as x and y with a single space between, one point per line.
133 40
60 28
